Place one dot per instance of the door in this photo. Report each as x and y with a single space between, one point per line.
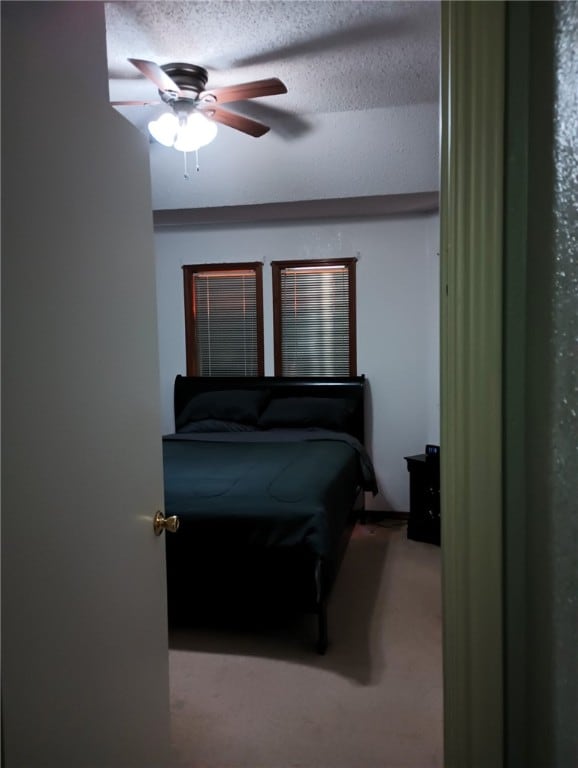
85 651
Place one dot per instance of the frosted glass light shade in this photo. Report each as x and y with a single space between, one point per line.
197 132
164 130
185 135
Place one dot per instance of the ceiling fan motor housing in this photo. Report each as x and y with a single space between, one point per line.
189 77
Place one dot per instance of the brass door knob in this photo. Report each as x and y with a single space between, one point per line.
162 523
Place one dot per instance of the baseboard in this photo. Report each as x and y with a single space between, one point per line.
376 515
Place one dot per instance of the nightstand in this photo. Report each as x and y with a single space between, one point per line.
424 499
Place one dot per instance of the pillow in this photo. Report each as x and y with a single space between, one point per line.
240 405
323 412
216 425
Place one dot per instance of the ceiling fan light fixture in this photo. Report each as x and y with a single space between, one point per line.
194 133
185 133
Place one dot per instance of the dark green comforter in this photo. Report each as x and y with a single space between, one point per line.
265 489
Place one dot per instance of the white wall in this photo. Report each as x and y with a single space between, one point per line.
343 154
397 319
431 318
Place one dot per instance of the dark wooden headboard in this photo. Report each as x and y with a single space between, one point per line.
350 387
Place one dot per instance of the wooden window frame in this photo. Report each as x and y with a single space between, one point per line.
189 272
276 269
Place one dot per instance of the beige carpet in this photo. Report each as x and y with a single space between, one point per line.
265 699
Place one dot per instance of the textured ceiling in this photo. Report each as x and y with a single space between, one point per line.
332 56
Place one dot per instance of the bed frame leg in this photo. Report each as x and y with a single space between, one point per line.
322 639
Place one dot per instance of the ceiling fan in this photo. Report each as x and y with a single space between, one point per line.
183 87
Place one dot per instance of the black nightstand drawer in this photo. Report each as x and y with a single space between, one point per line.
424 499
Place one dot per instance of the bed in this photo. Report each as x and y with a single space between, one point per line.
267 476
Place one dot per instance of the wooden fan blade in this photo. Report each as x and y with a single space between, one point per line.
133 103
270 87
239 122
160 78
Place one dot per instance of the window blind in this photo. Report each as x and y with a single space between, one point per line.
315 321
226 323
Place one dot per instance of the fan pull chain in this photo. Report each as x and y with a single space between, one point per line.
186 170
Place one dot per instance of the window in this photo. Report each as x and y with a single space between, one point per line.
314 317
224 319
